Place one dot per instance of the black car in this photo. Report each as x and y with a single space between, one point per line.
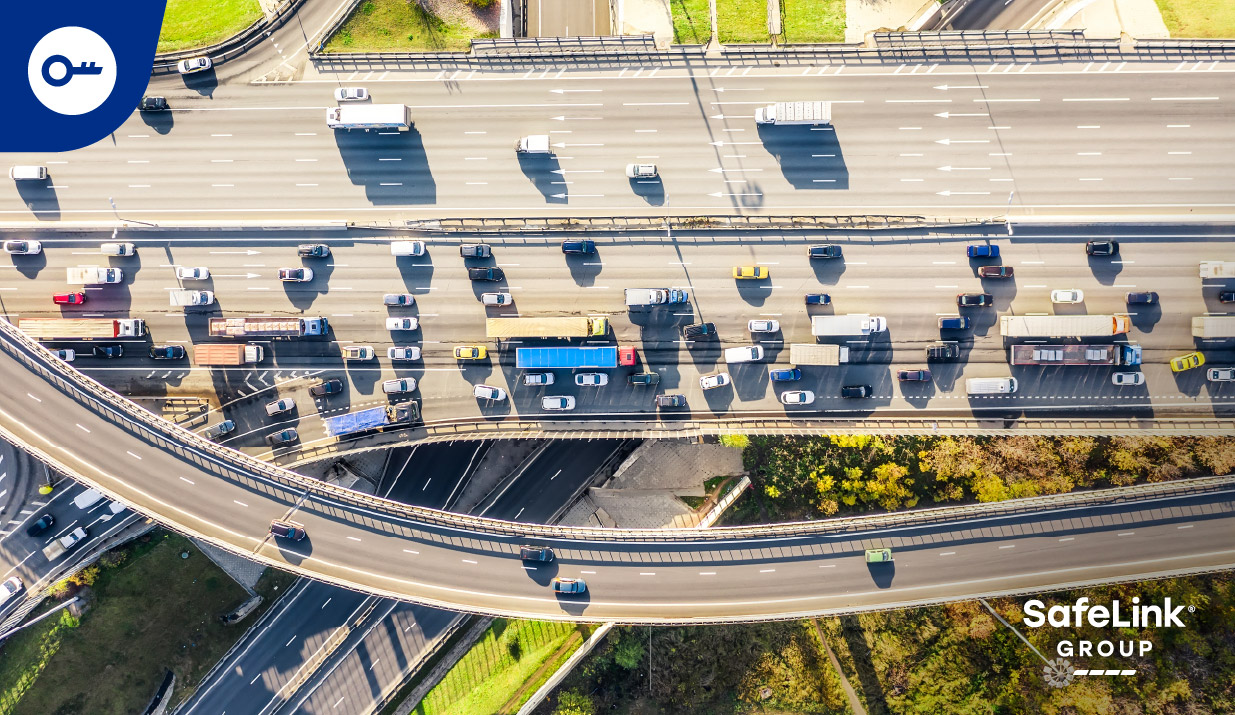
824 251
153 104
43 524
1102 248
167 352
943 351
313 250
580 248
287 530
286 436
535 553
475 250
644 378
699 330
913 375
1142 298
108 351
671 400
326 387
218 430
818 299
1226 296
974 300
856 391
485 274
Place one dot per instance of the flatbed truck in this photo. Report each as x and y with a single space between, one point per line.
57 547
82 328
564 327
1063 326
818 354
226 354
1114 354
268 327
372 418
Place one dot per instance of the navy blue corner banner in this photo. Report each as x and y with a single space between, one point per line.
72 71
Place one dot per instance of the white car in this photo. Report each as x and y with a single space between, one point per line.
496 298
351 94
591 379
797 397
194 64
8 588
711 382
1067 296
563 402
488 392
23 248
402 323
358 352
763 326
411 352
403 384
193 274
399 299
407 248
641 171
1131 379
296 275
67 354
538 378
1220 374
281 405
118 249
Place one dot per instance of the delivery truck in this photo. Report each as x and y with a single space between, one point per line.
1218 269
57 547
372 418
533 144
93 275
815 354
785 113
370 116
188 298
224 354
846 325
565 327
1115 354
1206 326
268 327
1063 326
602 357
82 328
636 297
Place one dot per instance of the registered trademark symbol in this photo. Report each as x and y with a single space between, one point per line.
1191 609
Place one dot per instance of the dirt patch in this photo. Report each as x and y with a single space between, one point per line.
459 12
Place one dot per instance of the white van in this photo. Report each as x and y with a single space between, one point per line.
87 499
746 353
990 385
28 173
118 249
407 248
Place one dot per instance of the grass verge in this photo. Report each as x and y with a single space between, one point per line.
691 25
191 23
1199 18
813 20
741 21
398 25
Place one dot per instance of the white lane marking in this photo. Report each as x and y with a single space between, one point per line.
409 551
707 573
1008 546
240 503
1125 533
591 572
354 538
1185 526
83 429
134 456
647 573
1068 538
1183 99
469 561
33 397
767 570
324 604
186 479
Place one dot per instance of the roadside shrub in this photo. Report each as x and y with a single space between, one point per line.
740 441
86 576
480 4
573 702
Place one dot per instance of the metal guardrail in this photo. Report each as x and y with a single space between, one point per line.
233 46
978 37
865 222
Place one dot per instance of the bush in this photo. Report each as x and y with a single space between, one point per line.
573 702
739 441
480 4
628 650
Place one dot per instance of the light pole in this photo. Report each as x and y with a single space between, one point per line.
116 211
1007 212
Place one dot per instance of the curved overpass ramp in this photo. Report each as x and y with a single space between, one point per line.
470 564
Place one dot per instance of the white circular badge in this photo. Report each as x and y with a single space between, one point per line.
72 70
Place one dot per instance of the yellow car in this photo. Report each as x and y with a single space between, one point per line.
470 352
1187 362
757 273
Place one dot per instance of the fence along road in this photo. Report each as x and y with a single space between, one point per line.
453 561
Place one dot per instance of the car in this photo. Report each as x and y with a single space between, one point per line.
792 374
313 250
218 430
878 556
296 275
1141 298
326 387
711 382
797 397
557 403
168 352
1226 296
403 299
763 326
856 391
974 300
399 385
485 274
818 299
194 64
488 392
23 248
407 248
287 530
65 354
960 322
402 323
627 355
699 330
14 584
943 351
1220 374
641 171
1187 362
828 250
471 352
1132 379
995 271
108 351
152 104
283 404
756 273
921 375
671 400
43 523
408 352
282 437
644 378
496 299
535 553
1102 248
192 274
982 251
351 94
68 298
475 250
561 584
1067 296
358 352
118 249
591 379
538 378
585 247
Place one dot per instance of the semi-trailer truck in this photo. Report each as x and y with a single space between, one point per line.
1218 269
1115 354
372 418
818 354
369 116
795 113
82 328
1063 326
841 325
224 354
57 547
655 296
93 275
268 327
1206 326
602 357
564 327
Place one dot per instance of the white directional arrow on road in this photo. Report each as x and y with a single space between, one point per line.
948 115
579 196
717 195
738 89
732 116
574 119
249 252
564 91
962 141
732 143
563 145
577 171
964 168
236 275
723 171
958 86
963 193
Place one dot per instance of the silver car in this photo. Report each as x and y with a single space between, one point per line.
351 94
591 379
763 326
496 298
1131 379
194 64
193 274
1220 374
403 384
797 397
711 382
398 299
557 404
281 405
537 378
402 323
411 352
488 392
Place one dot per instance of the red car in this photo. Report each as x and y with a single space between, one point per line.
69 298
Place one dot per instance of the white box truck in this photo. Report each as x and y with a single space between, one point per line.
1218 269
93 275
795 113
1209 326
655 296
186 298
533 144
842 325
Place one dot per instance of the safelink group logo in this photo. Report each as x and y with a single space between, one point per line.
86 65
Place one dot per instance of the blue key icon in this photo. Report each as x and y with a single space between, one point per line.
69 70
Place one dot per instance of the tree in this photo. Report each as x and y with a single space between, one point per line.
628 650
573 702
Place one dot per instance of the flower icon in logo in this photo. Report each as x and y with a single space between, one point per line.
1058 673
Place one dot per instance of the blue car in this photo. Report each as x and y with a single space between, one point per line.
789 375
982 251
958 323
818 299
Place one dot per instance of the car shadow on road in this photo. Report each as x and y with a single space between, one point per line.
391 166
1145 317
650 190
40 197
809 157
160 122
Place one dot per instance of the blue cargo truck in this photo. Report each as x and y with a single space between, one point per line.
602 357
372 418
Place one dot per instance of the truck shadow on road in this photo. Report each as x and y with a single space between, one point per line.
405 181
809 157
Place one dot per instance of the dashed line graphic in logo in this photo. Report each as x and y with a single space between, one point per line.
72 70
